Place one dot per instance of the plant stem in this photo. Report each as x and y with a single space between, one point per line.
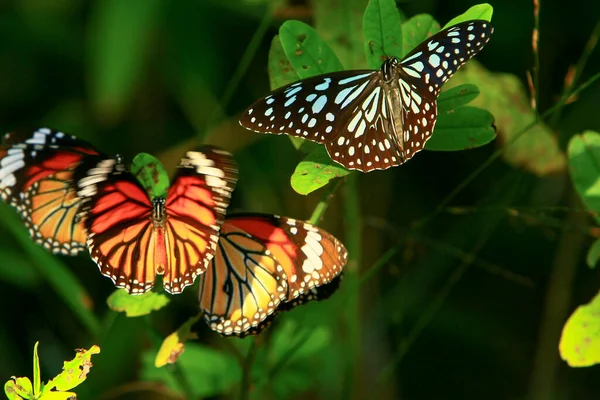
352 311
247 369
535 40
321 207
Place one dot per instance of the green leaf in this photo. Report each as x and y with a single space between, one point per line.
584 164
504 95
457 96
382 30
481 11
74 372
301 343
17 269
37 380
340 24
118 45
136 305
416 30
281 71
315 171
593 254
19 388
210 373
580 340
461 129
173 345
307 52
151 174
58 396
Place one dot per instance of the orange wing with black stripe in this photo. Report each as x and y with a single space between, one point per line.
264 264
36 177
133 238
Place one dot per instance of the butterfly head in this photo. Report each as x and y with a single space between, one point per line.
159 215
388 69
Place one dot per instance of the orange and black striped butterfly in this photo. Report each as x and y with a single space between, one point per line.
36 178
265 264
133 238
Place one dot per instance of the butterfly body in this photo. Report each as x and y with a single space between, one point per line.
372 120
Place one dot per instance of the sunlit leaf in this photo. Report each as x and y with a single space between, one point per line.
480 11
37 380
593 254
315 171
10 390
173 345
151 174
307 52
209 372
584 165
382 30
136 305
462 129
19 388
580 341
74 372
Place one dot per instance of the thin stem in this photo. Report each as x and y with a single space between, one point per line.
322 205
247 369
353 244
535 39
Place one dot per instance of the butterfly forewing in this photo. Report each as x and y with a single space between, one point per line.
312 109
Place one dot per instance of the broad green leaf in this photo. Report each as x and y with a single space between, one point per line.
340 24
37 380
304 344
19 388
173 345
584 164
74 372
315 171
151 174
382 30
580 341
505 97
416 30
281 71
593 254
17 269
307 52
118 46
210 373
457 96
10 390
58 396
480 11
463 128
136 305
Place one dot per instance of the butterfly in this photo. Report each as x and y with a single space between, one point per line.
372 119
36 178
133 237
265 264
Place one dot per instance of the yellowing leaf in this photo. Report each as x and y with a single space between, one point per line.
173 345
18 388
580 341
74 371
136 305
37 382
59 396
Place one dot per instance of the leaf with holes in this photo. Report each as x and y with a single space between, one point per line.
584 164
74 372
480 11
307 52
461 129
151 174
174 344
416 30
593 254
136 305
451 99
315 171
382 30
579 343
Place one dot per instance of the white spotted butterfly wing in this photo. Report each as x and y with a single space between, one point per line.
371 120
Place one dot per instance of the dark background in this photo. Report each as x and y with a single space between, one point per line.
461 311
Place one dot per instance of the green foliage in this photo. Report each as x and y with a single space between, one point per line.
480 11
136 305
416 30
584 164
73 374
151 174
382 30
315 171
593 254
580 341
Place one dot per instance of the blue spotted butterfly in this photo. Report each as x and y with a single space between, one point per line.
372 119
